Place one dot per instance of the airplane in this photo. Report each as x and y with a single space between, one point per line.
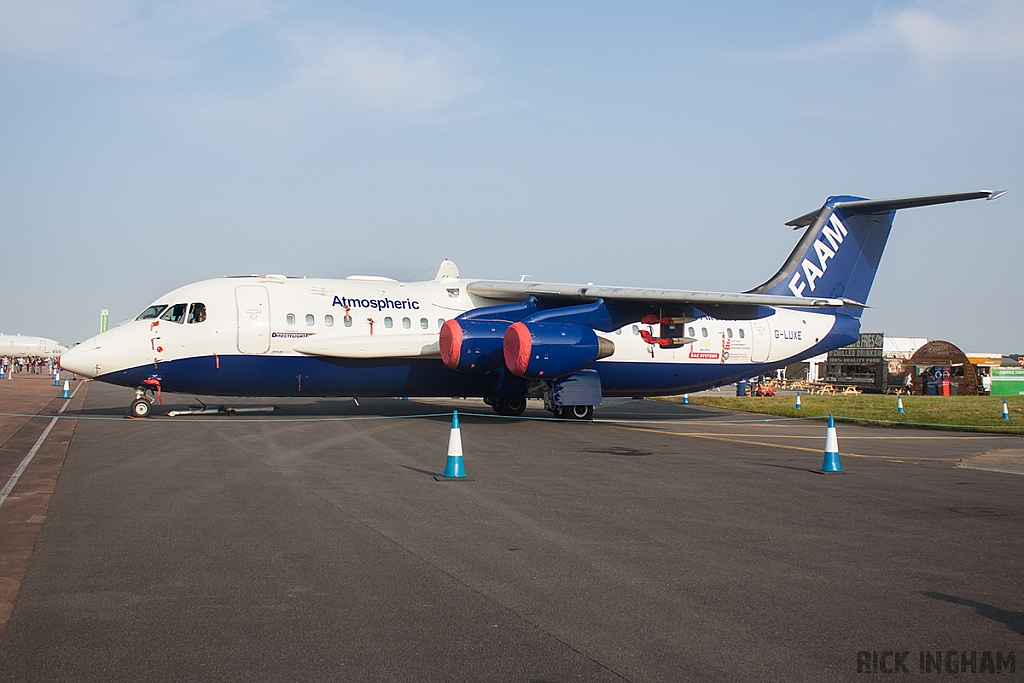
506 342
25 346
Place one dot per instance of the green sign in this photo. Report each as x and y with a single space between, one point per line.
104 319
1008 381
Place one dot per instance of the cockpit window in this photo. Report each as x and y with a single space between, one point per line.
196 313
175 313
152 312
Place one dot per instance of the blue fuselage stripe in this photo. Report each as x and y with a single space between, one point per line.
264 375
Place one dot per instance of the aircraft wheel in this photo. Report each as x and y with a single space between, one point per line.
140 408
512 407
515 406
579 412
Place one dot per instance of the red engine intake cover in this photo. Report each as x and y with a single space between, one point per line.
517 346
451 343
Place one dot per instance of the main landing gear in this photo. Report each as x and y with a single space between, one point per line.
510 407
514 407
574 412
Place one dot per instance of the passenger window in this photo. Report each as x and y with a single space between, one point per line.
406 323
636 330
152 312
310 319
329 320
289 319
618 331
196 313
440 323
348 321
692 332
728 332
742 335
175 313
424 323
704 332
388 322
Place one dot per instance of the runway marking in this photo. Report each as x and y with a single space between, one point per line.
9 486
722 437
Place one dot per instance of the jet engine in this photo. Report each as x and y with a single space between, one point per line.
473 345
550 350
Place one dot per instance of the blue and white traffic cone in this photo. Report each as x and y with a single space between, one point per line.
1006 411
56 378
686 399
899 404
67 389
798 406
453 467
831 462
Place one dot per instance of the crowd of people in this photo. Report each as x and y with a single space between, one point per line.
35 365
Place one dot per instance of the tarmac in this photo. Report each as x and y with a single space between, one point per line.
661 542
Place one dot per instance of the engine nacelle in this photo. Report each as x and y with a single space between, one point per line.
550 350
473 345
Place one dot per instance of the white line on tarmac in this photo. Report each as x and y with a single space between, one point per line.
9 486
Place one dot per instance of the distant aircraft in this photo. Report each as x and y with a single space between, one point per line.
569 345
23 346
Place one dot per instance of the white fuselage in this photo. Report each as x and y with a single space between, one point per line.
21 346
369 320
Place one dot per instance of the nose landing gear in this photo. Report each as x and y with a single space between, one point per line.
142 406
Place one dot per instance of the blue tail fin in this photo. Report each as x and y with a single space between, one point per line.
839 253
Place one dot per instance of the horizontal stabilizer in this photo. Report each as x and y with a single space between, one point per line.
863 206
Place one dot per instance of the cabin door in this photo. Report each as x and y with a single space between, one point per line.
760 340
253 319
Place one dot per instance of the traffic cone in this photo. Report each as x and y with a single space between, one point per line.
798 406
56 378
453 468
1006 411
899 404
67 389
686 399
831 462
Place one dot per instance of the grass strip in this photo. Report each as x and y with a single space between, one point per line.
960 413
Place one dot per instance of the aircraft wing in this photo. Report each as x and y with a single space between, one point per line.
518 291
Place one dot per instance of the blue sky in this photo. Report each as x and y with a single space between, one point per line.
147 145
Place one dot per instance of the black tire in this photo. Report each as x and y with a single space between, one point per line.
511 407
140 408
579 412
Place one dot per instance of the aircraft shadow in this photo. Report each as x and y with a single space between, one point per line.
1013 620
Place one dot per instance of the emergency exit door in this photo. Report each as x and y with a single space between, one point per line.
253 319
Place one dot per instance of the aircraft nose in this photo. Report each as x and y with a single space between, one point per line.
83 360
